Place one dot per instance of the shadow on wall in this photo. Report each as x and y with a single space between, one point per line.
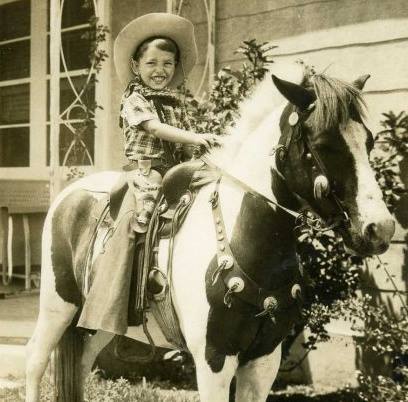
326 14
366 360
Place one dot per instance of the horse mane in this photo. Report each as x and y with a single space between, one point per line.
263 100
337 101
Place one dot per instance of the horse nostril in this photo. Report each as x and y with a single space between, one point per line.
380 232
370 232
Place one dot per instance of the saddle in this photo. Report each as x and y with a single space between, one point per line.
192 174
149 286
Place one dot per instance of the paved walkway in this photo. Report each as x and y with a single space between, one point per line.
18 315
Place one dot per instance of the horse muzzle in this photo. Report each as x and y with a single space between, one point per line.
379 234
373 239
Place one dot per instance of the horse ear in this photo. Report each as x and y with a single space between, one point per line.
360 81
294 93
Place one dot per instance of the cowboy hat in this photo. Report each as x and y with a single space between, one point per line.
171 26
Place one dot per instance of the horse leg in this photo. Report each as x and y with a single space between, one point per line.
51 325
214 386
92 347
255 379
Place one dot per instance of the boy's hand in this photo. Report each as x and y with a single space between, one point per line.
208 140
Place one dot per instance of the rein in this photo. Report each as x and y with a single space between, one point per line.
249 189
300 218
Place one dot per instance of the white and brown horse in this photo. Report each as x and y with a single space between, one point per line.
299 141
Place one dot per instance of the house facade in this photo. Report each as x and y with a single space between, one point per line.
44 65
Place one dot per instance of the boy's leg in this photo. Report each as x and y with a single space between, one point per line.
145 184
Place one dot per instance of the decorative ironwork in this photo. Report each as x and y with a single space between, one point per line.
74 151
177 7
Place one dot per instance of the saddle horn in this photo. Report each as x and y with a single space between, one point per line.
294 93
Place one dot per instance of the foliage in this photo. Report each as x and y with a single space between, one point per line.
395 133
393 146
384 388
334 275
109 390
230 87
387 337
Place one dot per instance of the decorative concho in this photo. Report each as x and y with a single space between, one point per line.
321 187
293 118
270 303
236 283
296 291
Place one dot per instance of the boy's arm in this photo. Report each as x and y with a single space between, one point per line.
174 134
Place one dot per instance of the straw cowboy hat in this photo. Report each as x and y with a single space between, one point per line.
167 25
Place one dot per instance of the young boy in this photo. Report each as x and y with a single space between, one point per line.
153 55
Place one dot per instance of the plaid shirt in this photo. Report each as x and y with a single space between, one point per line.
139 144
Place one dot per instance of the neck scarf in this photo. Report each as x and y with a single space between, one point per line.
159 97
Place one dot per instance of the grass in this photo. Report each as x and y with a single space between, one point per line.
121 390
100 390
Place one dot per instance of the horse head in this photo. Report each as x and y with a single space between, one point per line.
323 155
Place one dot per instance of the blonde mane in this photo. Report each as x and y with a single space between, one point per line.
255 110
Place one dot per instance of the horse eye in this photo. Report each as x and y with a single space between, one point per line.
326 147
370 140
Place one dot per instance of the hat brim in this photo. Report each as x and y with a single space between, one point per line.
172 26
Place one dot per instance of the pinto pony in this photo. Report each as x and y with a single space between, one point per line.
300 141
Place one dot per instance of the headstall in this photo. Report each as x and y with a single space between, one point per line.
322 186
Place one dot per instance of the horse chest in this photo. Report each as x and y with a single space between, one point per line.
260 244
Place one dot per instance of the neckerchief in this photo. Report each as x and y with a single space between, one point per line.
159 97
165 96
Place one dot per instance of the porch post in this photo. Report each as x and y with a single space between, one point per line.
55 45
211 43
171 6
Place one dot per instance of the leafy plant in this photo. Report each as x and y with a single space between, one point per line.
230 87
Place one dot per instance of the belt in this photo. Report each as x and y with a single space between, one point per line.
153 163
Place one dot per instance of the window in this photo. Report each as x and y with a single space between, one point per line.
24 87
14 84
76 140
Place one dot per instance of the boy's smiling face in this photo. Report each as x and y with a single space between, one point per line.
156 67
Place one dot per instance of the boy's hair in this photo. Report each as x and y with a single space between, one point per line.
160 42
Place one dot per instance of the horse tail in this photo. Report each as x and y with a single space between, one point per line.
67 366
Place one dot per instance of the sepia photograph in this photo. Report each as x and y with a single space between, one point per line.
203 200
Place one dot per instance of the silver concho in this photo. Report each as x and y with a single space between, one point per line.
293 118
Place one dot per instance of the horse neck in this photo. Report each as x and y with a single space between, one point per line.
253 160
261 237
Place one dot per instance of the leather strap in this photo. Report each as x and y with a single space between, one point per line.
236 280
248 188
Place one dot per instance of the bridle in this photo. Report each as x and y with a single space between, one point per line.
234 277
280 152
323 188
